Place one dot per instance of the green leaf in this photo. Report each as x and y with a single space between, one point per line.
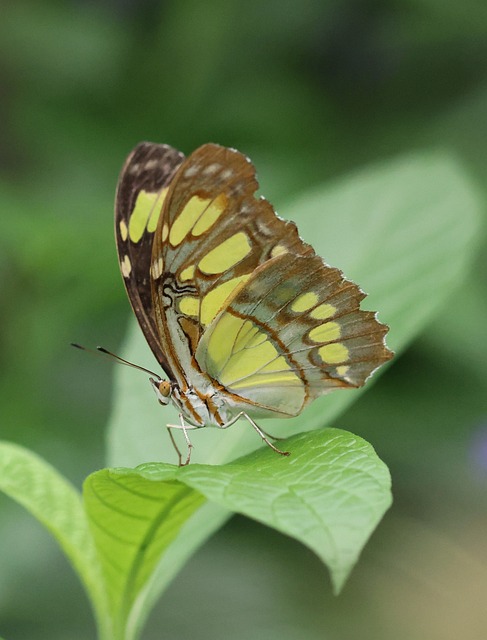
330 494
405 231
133 521
57 505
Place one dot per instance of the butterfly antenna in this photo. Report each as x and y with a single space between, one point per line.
102 350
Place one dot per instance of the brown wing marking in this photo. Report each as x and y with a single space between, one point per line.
148 169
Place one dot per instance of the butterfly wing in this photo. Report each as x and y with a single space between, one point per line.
142 187
211 237
292 332
236 294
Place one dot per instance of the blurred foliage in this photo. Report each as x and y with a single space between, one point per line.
310 89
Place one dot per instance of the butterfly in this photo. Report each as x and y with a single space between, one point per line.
242 315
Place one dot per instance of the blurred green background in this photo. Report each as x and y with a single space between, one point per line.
309 90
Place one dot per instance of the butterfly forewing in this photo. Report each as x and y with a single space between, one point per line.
213 235
142 187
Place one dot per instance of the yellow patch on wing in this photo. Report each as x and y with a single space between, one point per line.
323 311
212 303
248 362
126 266
185 221
146 213
210 215
304 302
164 232
187 274
189 306
333 353
242 357
124 232
154 216
246 333
325 332
278 250
221 341
197 216
272 378
342 370
258 338
157 268
226 255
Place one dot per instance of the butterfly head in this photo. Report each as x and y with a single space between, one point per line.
163 390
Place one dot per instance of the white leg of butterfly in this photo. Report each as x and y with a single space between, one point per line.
184 428
256 427
242 414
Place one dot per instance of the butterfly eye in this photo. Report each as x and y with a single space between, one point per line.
162 389
165 388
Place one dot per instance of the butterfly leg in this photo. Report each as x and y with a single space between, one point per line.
189 444
271 436
256 427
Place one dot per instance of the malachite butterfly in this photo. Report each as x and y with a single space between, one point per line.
244 318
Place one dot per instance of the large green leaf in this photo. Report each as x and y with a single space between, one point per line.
57 505
329 494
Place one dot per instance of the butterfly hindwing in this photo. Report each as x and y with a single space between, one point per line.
142 187
293 332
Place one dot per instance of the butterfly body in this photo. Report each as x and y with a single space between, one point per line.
242 315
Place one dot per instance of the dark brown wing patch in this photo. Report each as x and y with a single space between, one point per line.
148 170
